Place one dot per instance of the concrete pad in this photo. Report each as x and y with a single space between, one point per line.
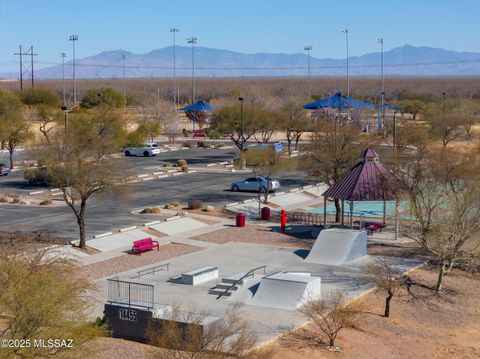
286 290
337 246
118 240
317 190
289 199
180 225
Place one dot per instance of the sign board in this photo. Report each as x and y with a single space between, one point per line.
127 314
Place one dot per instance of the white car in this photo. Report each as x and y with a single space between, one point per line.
149 149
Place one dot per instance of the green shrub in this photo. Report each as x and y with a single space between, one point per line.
218 145
187 144
200 144
213 134
46 202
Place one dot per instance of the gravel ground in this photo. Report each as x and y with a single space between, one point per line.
257 234
130 261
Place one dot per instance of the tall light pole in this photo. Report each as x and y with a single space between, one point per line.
193 40
380 41
308 49
63 55
345 31
124 57
173 31
74 38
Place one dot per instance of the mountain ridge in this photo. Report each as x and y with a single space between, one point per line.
407 60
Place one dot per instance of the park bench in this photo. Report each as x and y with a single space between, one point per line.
373 226
143 245
198 134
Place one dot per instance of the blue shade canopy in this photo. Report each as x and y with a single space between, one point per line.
337 101
199 106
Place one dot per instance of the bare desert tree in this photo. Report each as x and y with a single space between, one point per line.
293 122
442 186
41 298
384 277
204 337
447 122
334 149
329 314
79 161
157 110
14 130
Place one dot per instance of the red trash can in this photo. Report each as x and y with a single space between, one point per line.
240 219
266 213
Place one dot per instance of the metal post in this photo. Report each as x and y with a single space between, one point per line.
308 48
324 212
63 77
124 92
193 40
343 212
241 120
351 214
74 38
348 78
173 31
380 41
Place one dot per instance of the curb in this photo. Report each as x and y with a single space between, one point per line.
231 204
147 178
150 223
102 235
172 218
143 175
162 176
121 230
34 192
278 194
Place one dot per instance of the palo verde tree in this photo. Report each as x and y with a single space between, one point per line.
105 96
79 162
442 187
14 130
334 149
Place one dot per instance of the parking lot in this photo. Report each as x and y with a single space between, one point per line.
112 210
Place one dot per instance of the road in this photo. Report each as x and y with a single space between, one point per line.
112 210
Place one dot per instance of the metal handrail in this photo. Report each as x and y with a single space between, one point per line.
151 270
249 273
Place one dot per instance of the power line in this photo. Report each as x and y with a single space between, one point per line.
264 68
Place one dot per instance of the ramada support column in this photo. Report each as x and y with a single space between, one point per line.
324 212
343 212
351 214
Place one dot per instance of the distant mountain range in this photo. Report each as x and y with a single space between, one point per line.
402 61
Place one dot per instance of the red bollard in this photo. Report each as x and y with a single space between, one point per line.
283 220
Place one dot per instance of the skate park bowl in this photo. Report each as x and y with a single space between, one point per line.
336 246
286 290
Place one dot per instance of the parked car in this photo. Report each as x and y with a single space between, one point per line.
277 146
149 149
4 169
256 184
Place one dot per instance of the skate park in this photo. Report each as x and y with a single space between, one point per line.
269 283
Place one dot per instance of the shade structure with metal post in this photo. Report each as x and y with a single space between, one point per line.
368 180
193 40
174 31
345 31
74 38
308 49
63 55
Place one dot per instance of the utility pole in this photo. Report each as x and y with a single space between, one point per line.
193 40
308 49
23 68
380 41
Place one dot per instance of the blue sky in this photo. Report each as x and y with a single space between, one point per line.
277 26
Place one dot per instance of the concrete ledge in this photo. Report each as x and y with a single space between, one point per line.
200 275
102 235
150 223
127 229
34 192
231 204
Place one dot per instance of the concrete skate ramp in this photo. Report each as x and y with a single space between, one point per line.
336 246
286 290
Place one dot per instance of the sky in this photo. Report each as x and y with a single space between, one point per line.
249 26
